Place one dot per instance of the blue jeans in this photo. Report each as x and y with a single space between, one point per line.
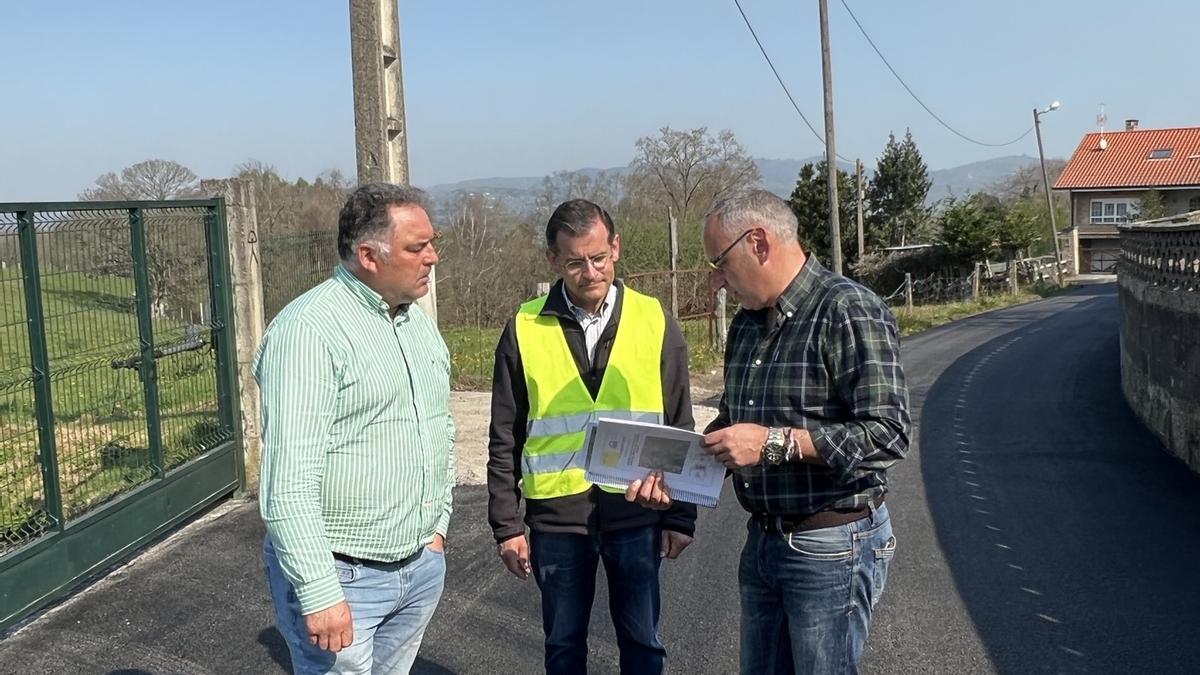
807 597
564 566
390 608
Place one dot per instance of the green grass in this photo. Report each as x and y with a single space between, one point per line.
472 353
99 410
924 317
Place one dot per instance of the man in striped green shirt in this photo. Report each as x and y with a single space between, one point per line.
357 455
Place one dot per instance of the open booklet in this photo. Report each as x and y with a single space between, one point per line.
622 451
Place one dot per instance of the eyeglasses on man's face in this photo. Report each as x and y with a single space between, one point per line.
716 262
579 265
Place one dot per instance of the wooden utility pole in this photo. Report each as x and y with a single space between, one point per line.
858 172
674 237
380 132
831 168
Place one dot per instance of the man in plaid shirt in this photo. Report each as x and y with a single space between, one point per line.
815 411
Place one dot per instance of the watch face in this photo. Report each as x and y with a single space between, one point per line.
774 454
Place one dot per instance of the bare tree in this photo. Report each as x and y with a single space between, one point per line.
689 170
471 258
153 179
602 187
174 250
1026 181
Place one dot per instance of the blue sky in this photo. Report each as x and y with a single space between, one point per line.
526 88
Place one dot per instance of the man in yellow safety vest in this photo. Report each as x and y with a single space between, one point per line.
591 347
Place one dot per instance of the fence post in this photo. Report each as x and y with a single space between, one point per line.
975 284
722 327
40 368
241 219
674 239
147 365
541 288
908 293
1014 284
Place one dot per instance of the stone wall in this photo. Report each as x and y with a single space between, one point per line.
1159 280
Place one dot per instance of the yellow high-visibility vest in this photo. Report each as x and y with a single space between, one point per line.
560 406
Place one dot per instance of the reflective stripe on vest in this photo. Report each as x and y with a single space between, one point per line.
560 406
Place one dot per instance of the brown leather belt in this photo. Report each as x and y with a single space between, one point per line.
813 521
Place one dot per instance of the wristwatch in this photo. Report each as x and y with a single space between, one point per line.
775 449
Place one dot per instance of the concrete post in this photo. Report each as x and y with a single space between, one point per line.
380 129
908 294
249 318
975 284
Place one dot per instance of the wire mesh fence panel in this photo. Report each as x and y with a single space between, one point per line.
294 263
23 512
106 403
90 319
183 324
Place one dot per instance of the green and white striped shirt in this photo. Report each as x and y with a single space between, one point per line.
357 437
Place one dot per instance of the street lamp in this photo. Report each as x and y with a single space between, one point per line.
1037 125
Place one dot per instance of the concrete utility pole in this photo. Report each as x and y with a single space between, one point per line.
380 132
831 169
862 244
1037 125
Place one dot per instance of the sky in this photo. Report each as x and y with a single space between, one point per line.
526 88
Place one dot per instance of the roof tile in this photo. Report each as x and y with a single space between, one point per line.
1125 162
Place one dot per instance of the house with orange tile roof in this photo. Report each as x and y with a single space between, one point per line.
1109 175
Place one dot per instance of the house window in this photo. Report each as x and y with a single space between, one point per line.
1160 153
1194 204
1113 211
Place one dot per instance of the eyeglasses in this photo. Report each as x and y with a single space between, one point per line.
578 265
716 262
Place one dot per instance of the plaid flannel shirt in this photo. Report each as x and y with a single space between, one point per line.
826 358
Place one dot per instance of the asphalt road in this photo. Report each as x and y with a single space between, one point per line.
1041 529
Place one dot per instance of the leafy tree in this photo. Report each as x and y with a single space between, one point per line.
687 170
810 203
898 190
968 227
1022 227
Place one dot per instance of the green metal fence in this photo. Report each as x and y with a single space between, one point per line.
118 416
292 264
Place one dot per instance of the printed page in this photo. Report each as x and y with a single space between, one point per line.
621 452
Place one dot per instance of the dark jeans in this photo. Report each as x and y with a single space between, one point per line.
565 568
807 597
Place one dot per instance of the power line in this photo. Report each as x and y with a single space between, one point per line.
916 98
780 79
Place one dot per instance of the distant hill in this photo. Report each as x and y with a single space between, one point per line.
975 176
778 176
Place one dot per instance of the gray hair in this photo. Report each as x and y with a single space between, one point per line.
746 209
364 217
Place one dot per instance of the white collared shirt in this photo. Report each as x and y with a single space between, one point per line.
593 324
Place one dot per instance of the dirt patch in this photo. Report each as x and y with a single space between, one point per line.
472 412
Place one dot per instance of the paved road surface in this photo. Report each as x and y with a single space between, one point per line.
1041 529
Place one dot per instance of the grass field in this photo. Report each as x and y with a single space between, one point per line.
924 317
98 400
472 353
471 349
